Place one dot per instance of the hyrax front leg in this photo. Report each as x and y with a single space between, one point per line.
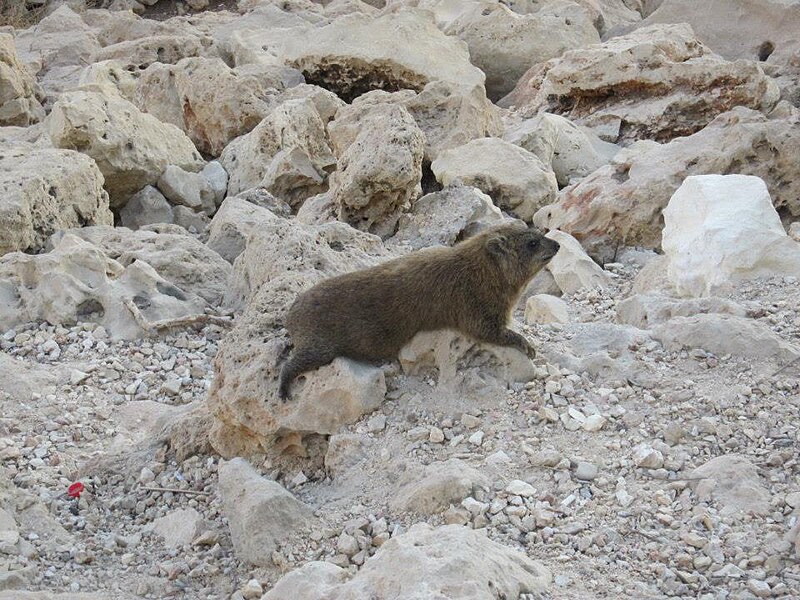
500 335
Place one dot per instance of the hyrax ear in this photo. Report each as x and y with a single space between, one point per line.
497 245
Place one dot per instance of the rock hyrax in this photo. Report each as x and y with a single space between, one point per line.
370 315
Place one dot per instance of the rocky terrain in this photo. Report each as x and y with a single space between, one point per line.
174 173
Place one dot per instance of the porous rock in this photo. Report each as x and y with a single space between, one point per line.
139 54
446 217
76 281
287 153
130 147
111 76
261 513
230 228
43 190
570 151
737 29
208 100
720 229
454 356
356 53
517 180
175 255
421 564
379 167
282 259
449 115
505 44
621 203
257 36
674 87
20 96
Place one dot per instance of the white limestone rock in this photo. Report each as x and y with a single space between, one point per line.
719 229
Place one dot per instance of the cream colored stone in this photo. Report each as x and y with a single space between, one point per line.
572 268
516 180
379 172
357 53
19 93
658 82
422 563
287 153
621 203
43 190
281 259
505 44
76 281
208 100
130 147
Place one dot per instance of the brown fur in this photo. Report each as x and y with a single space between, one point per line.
370 315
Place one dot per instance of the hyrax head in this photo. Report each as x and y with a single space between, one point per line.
521 251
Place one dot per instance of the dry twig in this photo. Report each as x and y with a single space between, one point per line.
175 491
156 326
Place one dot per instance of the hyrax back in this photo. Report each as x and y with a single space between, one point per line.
369 315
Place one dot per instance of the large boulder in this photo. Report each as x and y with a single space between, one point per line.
19 93
517 180
449 114
764 30
177 256
621 203
505 44
57 49
210 101
282 259
261 513
76 281
43 190
287 153
379 166
720 229
256 37
425 562
357 53
130 147
572 152
644 85
139 54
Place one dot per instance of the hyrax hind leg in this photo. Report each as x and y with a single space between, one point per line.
301 360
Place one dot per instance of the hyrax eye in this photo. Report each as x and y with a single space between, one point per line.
533 244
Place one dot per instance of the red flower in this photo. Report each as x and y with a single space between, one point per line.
75 490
